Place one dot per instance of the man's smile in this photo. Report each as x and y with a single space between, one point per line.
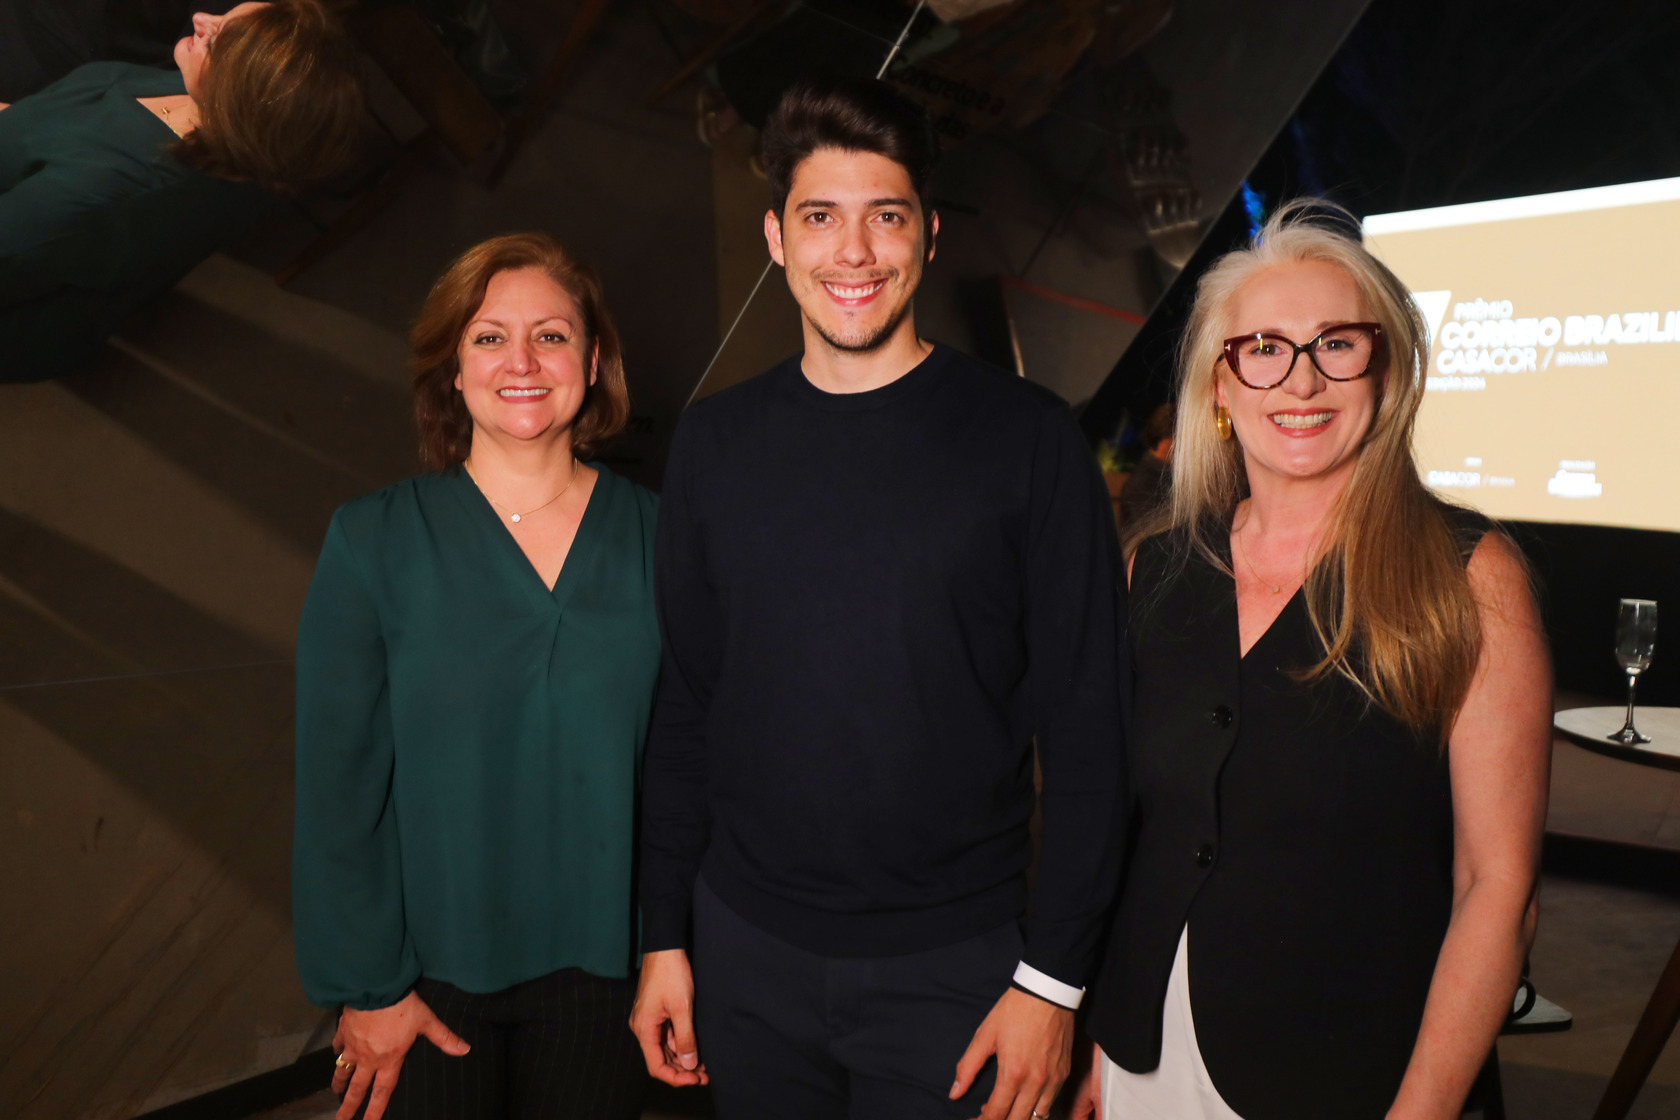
854 295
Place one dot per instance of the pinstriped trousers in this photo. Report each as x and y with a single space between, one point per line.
555 1048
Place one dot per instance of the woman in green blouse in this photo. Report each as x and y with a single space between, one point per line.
476 663
117 179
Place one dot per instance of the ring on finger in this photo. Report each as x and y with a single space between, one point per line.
1037 1115
344 1063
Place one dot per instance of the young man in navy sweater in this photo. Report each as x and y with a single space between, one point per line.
884 568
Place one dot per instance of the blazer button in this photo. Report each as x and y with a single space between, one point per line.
1221 716
1204 856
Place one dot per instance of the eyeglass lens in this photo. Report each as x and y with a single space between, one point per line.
1341 352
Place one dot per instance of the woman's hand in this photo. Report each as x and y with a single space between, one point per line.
371 1046
1087 1097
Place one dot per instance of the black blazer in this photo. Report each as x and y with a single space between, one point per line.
1305 837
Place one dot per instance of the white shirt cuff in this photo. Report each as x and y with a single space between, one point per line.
1048 987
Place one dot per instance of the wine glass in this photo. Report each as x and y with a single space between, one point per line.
1636 641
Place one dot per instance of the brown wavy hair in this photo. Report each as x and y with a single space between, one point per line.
1388 595
278 101
441 414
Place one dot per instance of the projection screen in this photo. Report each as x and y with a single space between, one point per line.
1553 388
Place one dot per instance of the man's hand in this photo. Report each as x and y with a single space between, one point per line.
371 1046
663 1019
1033 1041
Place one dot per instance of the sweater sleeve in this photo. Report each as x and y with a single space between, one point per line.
351 938
676 820
1073 632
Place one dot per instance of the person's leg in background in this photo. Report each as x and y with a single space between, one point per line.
761 1021
571 1055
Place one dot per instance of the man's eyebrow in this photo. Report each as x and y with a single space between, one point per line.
826 204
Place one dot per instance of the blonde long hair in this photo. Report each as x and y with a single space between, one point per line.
1388 595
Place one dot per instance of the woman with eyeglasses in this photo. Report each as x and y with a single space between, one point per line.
1341 731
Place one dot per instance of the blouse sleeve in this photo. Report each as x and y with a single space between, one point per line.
38 199
33 210
352 940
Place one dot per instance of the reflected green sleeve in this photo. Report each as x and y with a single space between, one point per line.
352 941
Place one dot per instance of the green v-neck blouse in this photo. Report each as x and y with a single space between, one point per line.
468 744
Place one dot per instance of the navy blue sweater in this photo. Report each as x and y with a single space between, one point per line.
871 604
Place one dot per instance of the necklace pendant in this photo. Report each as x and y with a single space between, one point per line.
515 519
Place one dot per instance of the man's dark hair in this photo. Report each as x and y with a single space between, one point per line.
854 115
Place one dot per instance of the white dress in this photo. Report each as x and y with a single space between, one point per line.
1179 1088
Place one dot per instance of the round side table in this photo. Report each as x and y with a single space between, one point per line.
1588 727
1591 727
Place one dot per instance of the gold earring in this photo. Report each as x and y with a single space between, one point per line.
1222 421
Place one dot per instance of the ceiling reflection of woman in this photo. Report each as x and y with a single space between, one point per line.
118 179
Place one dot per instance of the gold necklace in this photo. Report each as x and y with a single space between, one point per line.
167 123
1277 589
516 518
